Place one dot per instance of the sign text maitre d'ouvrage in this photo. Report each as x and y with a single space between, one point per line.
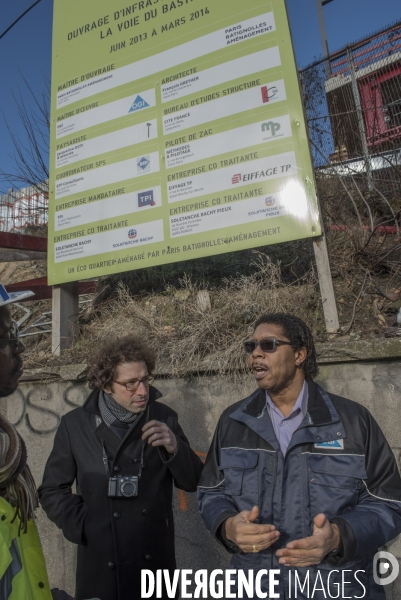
177 131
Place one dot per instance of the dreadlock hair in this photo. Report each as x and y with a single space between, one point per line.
299 335
17 486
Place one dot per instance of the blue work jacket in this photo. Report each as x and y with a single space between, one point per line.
338 463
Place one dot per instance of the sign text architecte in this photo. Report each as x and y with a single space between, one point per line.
177 131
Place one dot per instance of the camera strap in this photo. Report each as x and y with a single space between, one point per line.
141 466
105 460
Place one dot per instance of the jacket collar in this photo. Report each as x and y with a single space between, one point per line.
320 408
91 404
320 414
252 412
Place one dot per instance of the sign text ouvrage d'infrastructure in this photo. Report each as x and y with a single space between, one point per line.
177 131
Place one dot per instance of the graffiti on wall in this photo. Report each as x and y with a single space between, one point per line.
36 407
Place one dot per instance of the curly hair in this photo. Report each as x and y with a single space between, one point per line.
299 334
103 364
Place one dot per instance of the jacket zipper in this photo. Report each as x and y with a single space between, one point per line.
272 503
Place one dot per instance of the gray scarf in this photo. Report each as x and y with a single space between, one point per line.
111 410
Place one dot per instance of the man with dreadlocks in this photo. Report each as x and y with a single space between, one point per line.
22 567
298 480
23 573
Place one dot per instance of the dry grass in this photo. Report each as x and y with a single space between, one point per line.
12 272
188 338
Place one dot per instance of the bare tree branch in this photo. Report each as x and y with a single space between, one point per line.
31 151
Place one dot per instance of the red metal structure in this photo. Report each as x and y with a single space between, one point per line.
18 241
376 64
23 209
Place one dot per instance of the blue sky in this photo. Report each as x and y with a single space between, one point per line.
27 47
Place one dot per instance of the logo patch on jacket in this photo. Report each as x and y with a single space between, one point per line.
333 444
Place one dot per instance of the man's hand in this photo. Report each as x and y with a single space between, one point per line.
158 434
311 550
249 536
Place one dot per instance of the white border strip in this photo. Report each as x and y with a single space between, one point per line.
379 497
207 487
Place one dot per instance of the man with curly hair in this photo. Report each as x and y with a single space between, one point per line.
299 480
125 450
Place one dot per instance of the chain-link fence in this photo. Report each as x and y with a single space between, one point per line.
353 107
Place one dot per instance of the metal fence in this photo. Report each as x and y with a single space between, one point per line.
353 107
23 210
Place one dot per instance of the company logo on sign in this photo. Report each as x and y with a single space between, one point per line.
333 444
268 93
146 199
132 234
143 164
236 178
138 104
271 127
270 200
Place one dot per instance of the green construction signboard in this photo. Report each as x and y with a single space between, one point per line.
177 131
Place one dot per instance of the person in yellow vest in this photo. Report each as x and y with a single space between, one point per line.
23 574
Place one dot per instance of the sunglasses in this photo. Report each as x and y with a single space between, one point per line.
267 345
13 338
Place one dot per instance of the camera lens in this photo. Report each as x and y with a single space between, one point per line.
128 489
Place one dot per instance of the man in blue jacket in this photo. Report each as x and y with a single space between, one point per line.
299 480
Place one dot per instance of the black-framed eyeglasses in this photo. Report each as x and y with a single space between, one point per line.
133 385
13 338
266 345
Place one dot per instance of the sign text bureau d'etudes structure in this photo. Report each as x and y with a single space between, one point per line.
177 131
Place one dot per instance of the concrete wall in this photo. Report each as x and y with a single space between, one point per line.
36 408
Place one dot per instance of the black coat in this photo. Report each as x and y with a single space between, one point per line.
117 537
